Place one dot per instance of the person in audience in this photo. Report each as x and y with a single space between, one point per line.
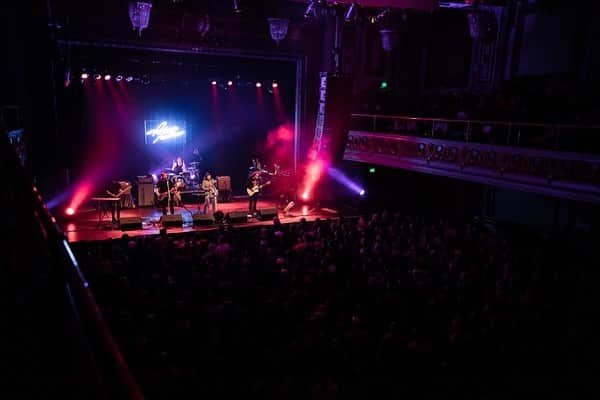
316 296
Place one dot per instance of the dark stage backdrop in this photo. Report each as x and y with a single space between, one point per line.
228 127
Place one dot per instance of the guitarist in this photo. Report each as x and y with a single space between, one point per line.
165 193
209 186
253 187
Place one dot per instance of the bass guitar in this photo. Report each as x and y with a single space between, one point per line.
256 188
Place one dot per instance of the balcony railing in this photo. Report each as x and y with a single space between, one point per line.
560 137
562 174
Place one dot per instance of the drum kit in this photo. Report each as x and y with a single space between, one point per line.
188 179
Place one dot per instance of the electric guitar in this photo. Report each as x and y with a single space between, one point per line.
120 193
163 195
256 188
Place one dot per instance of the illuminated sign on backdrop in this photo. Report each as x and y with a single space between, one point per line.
158 131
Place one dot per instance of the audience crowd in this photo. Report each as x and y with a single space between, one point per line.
347 307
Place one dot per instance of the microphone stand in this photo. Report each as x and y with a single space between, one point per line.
168 194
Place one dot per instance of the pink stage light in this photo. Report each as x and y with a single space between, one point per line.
70 211
85 75
80 195
107 77
275 85
229 83
97 76
214 83
305 196
258 84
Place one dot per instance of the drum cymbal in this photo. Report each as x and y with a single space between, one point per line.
194 164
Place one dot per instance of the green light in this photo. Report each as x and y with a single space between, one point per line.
383 85
372 170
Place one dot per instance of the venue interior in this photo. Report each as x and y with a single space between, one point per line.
300 199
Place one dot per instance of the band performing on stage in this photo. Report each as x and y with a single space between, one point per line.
179 184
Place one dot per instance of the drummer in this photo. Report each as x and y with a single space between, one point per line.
178 166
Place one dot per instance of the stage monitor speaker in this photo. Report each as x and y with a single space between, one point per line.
267 213
171 220
203 219
131 223
237 217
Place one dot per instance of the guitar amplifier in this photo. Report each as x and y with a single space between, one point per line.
224 183
145 195
145 179
224 187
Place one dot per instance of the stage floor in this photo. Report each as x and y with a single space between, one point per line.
85 225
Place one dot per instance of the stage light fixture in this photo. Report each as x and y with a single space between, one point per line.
372 170
214 83
236 7
129 79
275 85
362 192
69 211
383 85
229 83
351 14
258 84
310 9
85 75
107 77
97 77
119 78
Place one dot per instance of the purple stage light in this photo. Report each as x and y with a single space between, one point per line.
342 178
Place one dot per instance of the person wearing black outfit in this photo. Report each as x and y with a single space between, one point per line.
114 190
178 166
165 193
253 188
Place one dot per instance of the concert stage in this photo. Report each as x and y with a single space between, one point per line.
85 225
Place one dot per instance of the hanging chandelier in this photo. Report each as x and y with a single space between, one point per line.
278 28
139 15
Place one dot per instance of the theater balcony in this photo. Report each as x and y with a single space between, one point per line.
557 160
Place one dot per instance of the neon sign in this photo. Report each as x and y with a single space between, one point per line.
163 132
